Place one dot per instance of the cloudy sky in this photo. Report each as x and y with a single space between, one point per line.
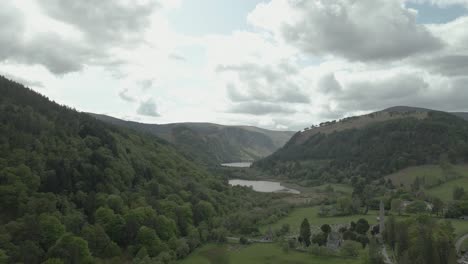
279 64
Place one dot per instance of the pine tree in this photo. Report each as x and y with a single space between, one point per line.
305 232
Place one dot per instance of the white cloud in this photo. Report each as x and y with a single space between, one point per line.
303 62
365 30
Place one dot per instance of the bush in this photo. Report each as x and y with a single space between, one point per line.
350 249
326 228
417 207
243 241
321 251
320 239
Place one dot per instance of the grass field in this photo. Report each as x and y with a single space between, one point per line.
431 173
445 191
257 254
295 218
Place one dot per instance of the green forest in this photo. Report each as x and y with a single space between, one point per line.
372 152
76 190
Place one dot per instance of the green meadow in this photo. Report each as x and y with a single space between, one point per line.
257 254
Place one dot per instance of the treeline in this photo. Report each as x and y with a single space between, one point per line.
76 190
372 152
421 240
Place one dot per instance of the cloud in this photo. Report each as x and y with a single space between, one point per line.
48 49
146 84
125 96
265 83
328 84
441 3
371 91
93 30
148 108
12 23
104 20
449 65
364 30
259 108
177 57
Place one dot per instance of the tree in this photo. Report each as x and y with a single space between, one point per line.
285 229
397 206
243 241
99 242
71 249
362 226
458 193
3 257
417 207
320 239
50 229
350 249
325 228
437 206
305 232
203 211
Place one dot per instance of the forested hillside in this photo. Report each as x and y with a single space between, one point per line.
75 190
213 144
359 146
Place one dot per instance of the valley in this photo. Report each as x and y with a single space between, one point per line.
119 193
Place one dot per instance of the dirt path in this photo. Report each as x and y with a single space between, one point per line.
459 242
387 259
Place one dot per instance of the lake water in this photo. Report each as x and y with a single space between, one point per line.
264 186
237 164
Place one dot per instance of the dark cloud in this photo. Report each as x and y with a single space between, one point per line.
125 96
103 20
448 65
328 84
364 30
272 84
48 49
259 108
104 23
12 25
148 108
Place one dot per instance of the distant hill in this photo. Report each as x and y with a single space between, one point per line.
212 143
371 145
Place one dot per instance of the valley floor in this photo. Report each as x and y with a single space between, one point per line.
257 254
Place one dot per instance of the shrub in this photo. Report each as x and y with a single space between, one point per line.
350 249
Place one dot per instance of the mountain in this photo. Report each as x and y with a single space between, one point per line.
212 143
370 146
74 189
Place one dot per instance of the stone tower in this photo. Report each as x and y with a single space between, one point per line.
381 217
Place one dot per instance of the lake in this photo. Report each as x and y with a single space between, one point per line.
237 164
263 186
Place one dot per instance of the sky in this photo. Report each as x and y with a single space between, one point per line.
276 64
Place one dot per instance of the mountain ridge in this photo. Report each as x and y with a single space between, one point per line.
217 143
371 145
